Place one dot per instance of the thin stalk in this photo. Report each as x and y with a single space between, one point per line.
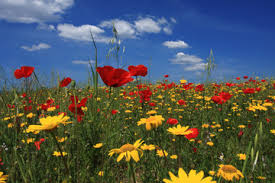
131 172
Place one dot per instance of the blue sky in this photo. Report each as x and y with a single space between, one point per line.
169 37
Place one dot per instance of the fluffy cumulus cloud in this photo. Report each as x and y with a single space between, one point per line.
147 25
44 26
33 11
176 44
196 67
81 62
124 28
182 58
135 28
82 33
40 46
189 62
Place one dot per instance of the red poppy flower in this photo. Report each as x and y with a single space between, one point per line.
217 99
194 133
225 96
238 78
114 77
245 77
152 104
145 95
139 70
25 72
37 143
65 82
249 90
172 121
77 108
114 111
181 102
240 133
166 76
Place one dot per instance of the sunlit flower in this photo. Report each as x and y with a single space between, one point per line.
30 115
151 122
101 173
228 172
162 153
29 140
3 178
272 131
128 151
57 153
148 147
190 178
174 156
179 130
210 143
99 145
50 109
241 126
49 123
205 125
61 139
241 156
211 172
151 112
183 81
261 177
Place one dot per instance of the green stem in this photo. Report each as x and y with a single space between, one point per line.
131 172
220 179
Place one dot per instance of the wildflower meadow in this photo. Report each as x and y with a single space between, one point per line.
128 129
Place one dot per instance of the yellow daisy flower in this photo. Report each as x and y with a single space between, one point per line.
174 156
210 143
162 153
179 130
99 145
3 177
151 112
148 147
191 177
128 151
57 153
151 122
228 172
101 173
211 172
241 156
272 131
48 123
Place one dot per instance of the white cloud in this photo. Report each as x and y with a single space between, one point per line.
176 44
33 11
162 21
36 47
147 25
195 67
44 26
173 20
182 58
124 28
82 62
189 62
167 30
82 33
